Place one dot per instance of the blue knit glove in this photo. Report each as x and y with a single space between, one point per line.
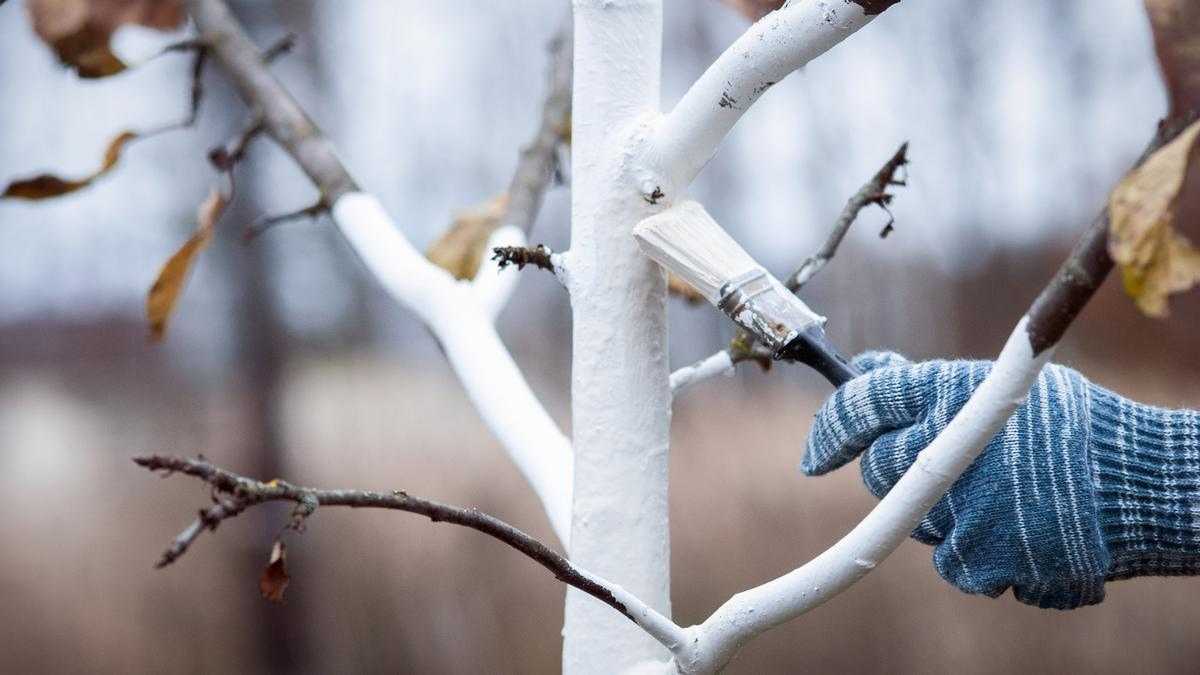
1082 486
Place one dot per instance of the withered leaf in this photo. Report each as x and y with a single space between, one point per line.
460 249
46 185
274 579
165 292
683 290
1176 28
754 9
79 31
1155 259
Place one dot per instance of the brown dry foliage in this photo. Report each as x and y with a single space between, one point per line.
460 249
754 9
1154 200
79 30
46 185
160 302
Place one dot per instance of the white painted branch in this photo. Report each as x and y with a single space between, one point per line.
717 364
620 394
665 631
453 311
491 284
562 268
713 643
458 317
767 52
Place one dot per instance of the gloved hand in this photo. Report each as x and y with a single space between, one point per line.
1082 486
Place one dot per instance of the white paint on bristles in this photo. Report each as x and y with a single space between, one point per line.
687 241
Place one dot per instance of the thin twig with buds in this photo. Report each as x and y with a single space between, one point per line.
234 493
873 192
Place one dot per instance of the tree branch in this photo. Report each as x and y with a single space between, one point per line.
263 223
539 256
720 363
234 493
454 312
537 166
873 192
538 163
767 52
285 120
1089 263
1030 345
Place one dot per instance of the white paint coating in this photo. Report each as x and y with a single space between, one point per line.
460 316
493 286
620 395
712 366
713 643
620 386
769 51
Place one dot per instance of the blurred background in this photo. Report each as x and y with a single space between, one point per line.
284 358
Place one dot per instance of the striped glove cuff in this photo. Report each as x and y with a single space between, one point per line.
1145 464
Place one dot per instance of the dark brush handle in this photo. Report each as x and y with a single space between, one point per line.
813 349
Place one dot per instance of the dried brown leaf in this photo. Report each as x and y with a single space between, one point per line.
165 292
754 9
683 290
47 185
460 249
1155 259
274 579
79 31
1176 28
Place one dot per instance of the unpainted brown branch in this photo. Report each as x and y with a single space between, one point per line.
538 164
875 191
283 117
264 223
234 493
228 154
283 46
1089 263
538 256
463 245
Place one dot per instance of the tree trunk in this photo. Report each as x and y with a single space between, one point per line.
620 394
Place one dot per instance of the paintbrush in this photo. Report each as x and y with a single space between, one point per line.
687 241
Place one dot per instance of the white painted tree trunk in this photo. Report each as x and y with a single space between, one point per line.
620 379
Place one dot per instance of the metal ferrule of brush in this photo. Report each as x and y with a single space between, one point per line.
783 323
757 302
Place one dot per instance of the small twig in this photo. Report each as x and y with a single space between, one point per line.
225 156
264 223
235 493
873 192
191 44
538 164
286 121
538 256
283 46
207 520
196 91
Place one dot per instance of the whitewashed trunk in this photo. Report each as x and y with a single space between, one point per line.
620 392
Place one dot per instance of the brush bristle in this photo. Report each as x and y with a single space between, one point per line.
687 241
